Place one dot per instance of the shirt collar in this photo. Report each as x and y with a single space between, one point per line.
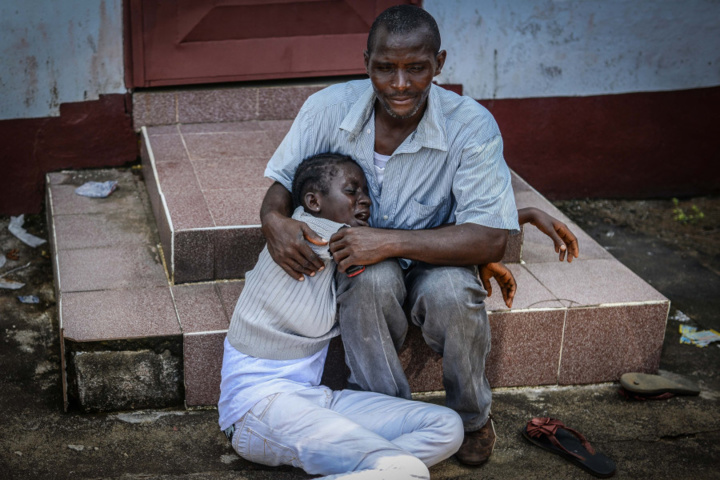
430 132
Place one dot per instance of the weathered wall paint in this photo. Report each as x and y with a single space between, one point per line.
557 48
54 52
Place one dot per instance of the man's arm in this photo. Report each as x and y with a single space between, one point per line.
465 244
553 228
286 237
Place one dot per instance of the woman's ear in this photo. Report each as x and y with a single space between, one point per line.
312 202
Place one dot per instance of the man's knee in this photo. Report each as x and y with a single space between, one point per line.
452 290
381 282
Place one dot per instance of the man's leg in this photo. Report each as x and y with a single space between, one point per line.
448 303
373 326
307 429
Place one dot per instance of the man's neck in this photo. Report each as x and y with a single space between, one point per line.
391 132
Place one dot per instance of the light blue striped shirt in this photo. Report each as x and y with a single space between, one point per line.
450 169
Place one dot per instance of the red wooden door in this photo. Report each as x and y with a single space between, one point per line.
178 42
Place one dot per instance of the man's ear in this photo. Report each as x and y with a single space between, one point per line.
312 202
440 60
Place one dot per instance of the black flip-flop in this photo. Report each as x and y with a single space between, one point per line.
551 435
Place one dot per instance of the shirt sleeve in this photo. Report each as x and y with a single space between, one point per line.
292 150
482 187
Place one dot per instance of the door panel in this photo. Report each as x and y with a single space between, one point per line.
194 41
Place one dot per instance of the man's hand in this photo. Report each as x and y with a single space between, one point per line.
503 277
358 246
562 237
287 247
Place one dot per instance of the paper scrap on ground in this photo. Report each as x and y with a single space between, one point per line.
10 285
16 228
97 189
28 299
680 317
702 338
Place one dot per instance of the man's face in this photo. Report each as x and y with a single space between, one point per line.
401 68
347 200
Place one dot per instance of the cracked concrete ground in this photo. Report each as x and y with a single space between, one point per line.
675 438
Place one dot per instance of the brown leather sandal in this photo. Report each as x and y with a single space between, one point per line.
552 435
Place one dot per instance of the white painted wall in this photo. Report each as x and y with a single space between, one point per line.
546 48
58 51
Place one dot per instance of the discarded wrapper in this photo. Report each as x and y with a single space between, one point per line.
28 299
10 285
702 338
16 228
97 189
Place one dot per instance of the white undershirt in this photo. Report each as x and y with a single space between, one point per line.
380 161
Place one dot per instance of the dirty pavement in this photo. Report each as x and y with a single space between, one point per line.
662 439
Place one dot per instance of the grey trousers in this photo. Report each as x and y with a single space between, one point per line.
447 303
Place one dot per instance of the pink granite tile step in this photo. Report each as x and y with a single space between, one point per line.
236 251
202 356
230 173
103 230
283 102
183 196
154 108
530 293
105 268
538 247
237 207
593 282
224 127
276 129
525 347
67 202
199 308
217 105
163 130
168 148
229 293
118 314
603 343
215 146
193 256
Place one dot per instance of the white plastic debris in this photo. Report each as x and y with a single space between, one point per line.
97 189
28 299
680 317
16 228
10 285
77 448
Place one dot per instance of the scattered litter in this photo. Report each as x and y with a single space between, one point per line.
97 189
16 228
10 285
28 299
15 269
18 453
77 448
228 459
680 317
702 338
610 234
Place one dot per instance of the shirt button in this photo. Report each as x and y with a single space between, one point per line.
385 217
369 131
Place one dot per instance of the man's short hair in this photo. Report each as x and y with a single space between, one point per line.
404 19
315 173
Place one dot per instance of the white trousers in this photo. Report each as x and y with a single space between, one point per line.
348 434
